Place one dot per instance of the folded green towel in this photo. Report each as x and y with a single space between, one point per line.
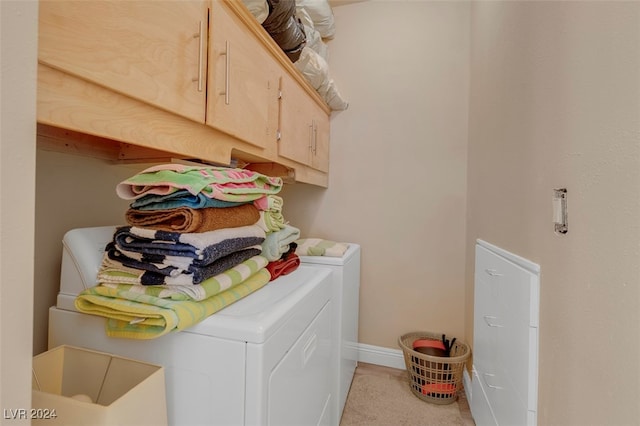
320 247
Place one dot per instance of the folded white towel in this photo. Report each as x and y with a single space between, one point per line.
277 243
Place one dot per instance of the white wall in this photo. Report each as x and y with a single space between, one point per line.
555 102
18 45
72 192
398 163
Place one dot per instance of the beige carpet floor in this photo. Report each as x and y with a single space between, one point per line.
380 396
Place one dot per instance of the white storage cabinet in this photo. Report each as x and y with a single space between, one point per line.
505 344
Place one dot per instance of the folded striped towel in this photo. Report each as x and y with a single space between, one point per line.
271 218
269 202
209 287
270 222
118 269
215 182
201 248
320 247
142 316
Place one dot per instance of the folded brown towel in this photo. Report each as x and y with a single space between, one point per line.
185 219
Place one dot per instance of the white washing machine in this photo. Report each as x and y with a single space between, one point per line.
265 360
346 296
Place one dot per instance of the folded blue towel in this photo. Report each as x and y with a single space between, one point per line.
181 198
202 248
119 268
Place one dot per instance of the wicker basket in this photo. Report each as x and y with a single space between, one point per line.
434 379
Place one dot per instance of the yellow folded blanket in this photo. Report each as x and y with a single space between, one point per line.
118 278
142 316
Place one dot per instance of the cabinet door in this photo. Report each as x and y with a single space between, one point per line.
242 83
150 51
304 127
294 122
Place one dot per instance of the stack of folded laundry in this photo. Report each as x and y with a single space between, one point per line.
198 238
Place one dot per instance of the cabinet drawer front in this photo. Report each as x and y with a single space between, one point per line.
506 406
480 407
486 323
517 285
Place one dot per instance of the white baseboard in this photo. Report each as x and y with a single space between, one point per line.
381 356
466 382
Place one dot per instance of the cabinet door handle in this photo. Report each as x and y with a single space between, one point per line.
493 272
485 375
279 131
199 35
227 62
311 137
488 318
315 137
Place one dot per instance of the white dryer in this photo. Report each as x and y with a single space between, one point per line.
265 360
345 299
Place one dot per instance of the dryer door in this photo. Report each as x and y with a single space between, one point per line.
300 384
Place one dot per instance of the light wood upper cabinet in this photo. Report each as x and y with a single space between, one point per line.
153 51
191 79
242 92
303 127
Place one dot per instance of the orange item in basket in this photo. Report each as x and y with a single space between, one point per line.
442 388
